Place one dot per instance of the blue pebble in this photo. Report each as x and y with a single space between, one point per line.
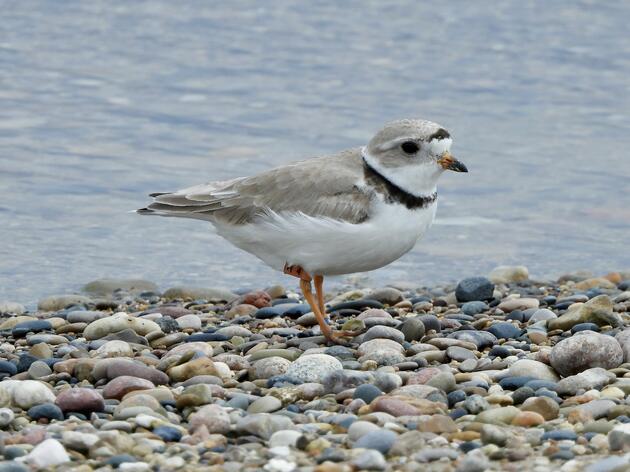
116 461
168 433
537 384
340 352
367 392
455 397
34 326
12 466
474 308
584 327
49 411
559 435
504 330
13 452
473 289
381 440
7 367
356 305
469 446
562 455
516 315
499 351
205 337
543 392
513 383
481 339
422 298
458 413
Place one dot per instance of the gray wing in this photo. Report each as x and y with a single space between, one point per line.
323 187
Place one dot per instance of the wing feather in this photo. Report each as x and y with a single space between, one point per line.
320 187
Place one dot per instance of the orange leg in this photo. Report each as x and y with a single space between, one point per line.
319 291
316 302
308 295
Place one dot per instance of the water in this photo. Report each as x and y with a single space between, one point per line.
103 102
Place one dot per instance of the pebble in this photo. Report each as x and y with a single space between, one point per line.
584 350
533 369
48 411
380 440
474 289
413 329
48 453
120 386
370 460
267 404
85 400
384 332
313 368
138 381
367 392
28 393
594 378
508 274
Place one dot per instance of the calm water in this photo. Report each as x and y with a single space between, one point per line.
103 102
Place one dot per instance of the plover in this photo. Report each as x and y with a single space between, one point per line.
354 211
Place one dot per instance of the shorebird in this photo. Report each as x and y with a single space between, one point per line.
354 211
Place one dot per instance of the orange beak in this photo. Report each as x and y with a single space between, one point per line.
448 162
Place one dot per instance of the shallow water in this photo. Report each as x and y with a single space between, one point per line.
104 102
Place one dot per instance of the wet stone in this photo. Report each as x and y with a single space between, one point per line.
367 392
36 326
474 289
381 440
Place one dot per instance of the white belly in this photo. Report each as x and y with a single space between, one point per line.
332 247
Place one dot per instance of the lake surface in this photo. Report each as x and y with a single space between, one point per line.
103 102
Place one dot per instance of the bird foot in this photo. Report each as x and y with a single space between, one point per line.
335 337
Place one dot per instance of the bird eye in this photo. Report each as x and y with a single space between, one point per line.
409 147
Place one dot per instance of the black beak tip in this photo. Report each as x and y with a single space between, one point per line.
459 167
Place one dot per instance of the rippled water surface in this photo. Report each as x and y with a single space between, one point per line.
103 102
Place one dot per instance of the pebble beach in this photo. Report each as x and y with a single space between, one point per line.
495 372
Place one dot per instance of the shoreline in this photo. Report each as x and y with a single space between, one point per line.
495 372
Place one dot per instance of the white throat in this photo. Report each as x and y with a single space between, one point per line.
417 179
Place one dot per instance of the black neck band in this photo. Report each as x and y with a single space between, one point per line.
392 192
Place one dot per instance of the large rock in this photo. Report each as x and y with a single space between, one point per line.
46 455
213 295
598 310
313 367
594 378
112 368
584 350
26 393
512 304
623 338
200 366
263 425
59 302
535 369
84 400
473 289
118 322
13 308
508 274
124 384
107 287
214 417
